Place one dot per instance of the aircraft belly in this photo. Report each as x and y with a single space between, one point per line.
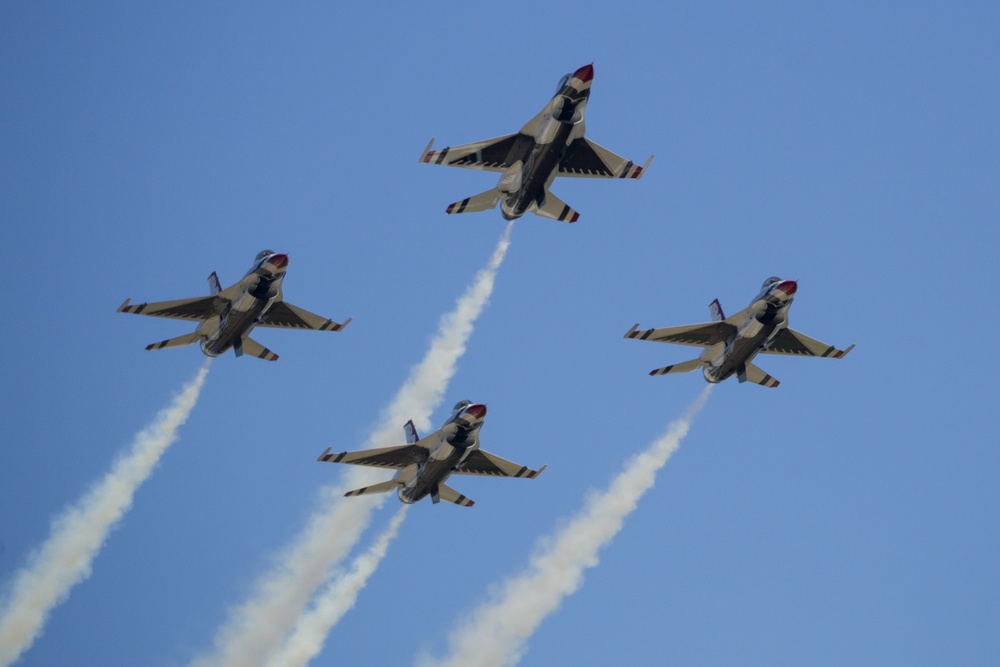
740 352
236 325
541 164
435 472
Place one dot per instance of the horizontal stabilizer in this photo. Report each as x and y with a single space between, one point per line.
449 494
556 209
754 374
683 367
383 487
481 202
180 341
255 349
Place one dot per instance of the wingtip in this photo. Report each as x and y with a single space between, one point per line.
345 323
845 352
124 305
540 471
423 156
635 327
323 455
644 167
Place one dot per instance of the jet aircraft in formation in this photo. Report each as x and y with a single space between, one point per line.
228 315
731 343
551 144
425 464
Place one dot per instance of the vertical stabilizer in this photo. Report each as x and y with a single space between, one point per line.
716 308
411 433
213 284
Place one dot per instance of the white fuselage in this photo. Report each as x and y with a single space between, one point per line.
249 302
756 325
458 438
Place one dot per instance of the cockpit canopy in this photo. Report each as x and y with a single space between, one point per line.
770 281
262 254
563 81
461 405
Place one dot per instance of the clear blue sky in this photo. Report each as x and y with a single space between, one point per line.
846 517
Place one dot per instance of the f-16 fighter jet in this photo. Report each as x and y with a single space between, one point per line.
425 464
229 315
731 343
550 145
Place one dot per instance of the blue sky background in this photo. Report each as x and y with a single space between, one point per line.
846 517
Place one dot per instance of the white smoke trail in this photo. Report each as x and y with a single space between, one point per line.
497 632
78 534
260 625
336 600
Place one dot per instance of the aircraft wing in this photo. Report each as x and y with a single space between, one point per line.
789 341
586 159
488 155
284 314
385 457
703 335
197 309
484 463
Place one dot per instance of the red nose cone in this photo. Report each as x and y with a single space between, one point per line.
788 287
585 73
280 260
477 410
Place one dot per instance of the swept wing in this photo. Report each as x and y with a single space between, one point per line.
789 341
586 159
197 309
285 315
702 335
488 155
384 457
480 462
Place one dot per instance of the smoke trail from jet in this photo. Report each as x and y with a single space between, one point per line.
258 627
307 640
78 534
497 632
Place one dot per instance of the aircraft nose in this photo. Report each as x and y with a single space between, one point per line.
585 73
279 260
477 410
789 287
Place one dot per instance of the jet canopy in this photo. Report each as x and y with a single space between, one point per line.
461 405
563 81
262 254
770 281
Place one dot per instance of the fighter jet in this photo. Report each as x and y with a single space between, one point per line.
731 343
425 464
228 315
550 145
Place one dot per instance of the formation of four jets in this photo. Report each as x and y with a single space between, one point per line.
551 144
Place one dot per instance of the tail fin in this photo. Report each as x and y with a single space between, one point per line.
445 492
411 433
180 341
254 349
683 367
213 284
382 487
756 375
556 209
481 202
716 308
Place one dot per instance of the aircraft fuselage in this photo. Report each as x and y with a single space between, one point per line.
458 438
258 289
534 161
756 325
